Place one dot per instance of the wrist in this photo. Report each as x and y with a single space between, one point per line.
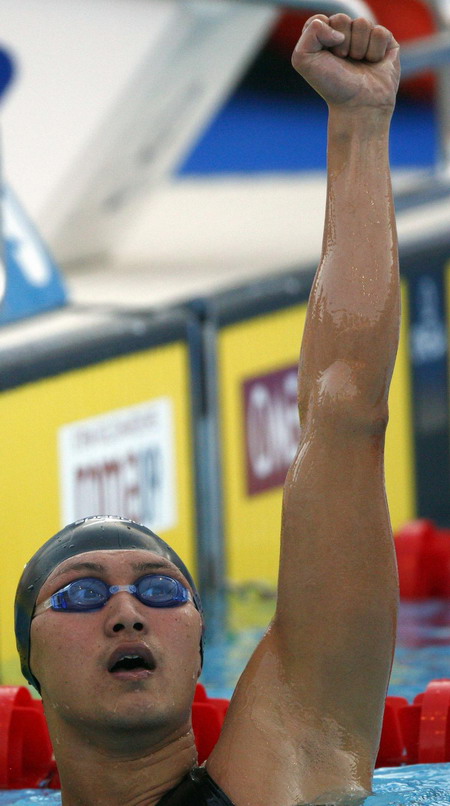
343 121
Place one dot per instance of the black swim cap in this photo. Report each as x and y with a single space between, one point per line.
97 533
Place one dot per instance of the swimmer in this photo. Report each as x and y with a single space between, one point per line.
109 624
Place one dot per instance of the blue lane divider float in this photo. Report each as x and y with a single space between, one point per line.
30 280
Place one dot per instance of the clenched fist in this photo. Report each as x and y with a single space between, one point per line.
349 62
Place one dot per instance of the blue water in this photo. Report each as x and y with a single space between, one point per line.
407 786
234 628
25 797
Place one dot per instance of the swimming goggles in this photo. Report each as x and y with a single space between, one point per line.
89 593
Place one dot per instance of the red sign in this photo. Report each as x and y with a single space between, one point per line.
272 428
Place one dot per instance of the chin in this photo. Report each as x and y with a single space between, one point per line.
140 712
136 723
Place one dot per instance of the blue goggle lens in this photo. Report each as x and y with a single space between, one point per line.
83 594
159 589
91 593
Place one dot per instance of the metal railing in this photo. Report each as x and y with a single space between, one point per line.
425 53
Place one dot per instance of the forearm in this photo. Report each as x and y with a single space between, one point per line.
353 315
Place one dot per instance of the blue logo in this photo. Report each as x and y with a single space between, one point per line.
7 70
30 280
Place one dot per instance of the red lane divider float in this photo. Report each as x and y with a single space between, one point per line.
417 733
25 748
411 734
423 558
208 714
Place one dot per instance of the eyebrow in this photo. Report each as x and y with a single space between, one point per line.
158 565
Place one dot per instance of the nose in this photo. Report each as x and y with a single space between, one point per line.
124 614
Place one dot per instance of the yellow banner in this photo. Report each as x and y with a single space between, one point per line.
81 435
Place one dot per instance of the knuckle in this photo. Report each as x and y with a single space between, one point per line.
340 19
361 22
380 32
312 19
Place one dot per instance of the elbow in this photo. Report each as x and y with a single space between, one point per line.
351 398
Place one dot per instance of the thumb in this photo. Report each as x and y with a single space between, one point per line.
317 36
393 50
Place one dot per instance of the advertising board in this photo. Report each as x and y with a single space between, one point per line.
121 462
272 427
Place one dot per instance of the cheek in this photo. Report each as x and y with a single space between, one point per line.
186 630
42 651
55 649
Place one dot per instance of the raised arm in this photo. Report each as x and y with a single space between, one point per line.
305 720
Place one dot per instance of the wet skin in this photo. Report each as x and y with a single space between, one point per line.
126 713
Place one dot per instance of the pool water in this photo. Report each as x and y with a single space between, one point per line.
418 785
407 786
236 624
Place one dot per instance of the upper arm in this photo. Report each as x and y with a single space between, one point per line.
306 715
277 747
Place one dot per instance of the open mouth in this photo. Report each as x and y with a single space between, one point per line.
127 663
